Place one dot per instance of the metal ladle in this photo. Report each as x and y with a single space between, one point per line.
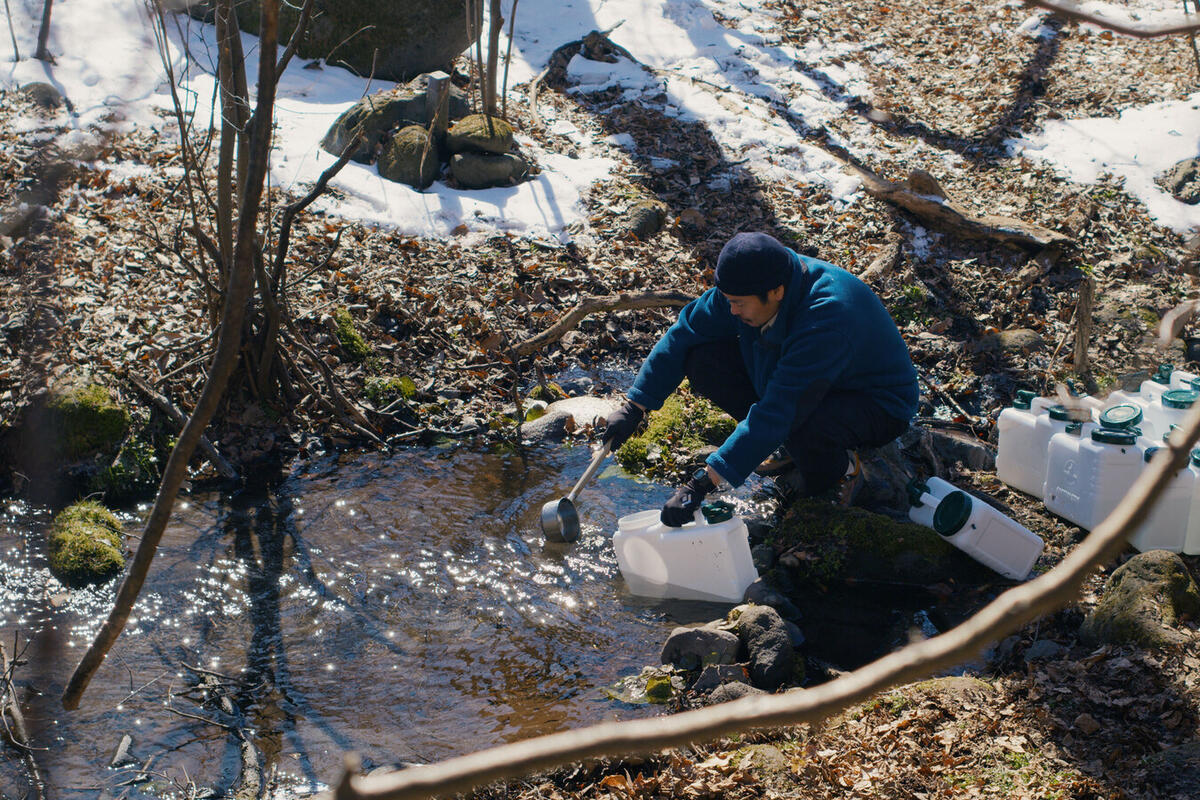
560 519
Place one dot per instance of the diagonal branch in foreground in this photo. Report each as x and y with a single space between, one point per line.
1007 613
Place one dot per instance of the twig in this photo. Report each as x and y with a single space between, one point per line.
944 395
592 305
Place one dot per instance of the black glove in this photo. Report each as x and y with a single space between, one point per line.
622 424
681 508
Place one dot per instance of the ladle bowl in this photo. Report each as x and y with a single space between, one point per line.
560 518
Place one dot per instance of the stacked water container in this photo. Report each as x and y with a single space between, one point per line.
1082 467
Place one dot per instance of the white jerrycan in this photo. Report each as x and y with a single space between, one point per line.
1021 448
706 559
1152 388
1089 470
1171 408
975 527
1174 521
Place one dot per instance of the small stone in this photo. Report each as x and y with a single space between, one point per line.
763 556
766 639
1086 724
1182 181
644 218
716 675
731 691
1044 650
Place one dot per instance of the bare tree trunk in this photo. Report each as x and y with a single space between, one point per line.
495 25
1083 324
229 346
42 54
12 32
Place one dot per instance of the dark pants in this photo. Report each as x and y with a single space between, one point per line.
841 420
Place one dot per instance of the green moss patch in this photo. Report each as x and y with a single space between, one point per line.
85 544
685 423
87 419
383 390
835 543
133 473
351 341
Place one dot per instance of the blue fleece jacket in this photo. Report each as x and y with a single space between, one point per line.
832 333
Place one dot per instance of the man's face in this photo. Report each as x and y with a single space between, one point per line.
750 309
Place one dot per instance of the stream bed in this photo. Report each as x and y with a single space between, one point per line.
403 607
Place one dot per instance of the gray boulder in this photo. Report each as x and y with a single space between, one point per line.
693 648
392 41
485 171
380 113
410 158
1143 603
43 95
564 416
480 133
763 594
769 645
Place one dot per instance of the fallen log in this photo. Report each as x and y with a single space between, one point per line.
921 195
592 305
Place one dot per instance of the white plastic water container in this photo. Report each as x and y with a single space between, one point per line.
1088 472
1021 447
974 527
1171 408
1152 388
1182 379
1174 521
700 561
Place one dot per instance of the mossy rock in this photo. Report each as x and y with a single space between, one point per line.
410 158
392 41
1143 602
486 171
85 544
377 115
135 472
351 341
685 423
548 392
853 543
87 420
480 133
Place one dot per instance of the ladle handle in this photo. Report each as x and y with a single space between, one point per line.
591 470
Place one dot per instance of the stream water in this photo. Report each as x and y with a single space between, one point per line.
405 608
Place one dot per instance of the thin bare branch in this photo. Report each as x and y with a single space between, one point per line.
592 305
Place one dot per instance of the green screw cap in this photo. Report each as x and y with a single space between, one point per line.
716 511
1164 373
1023 398
1124 415
1180 398
1115 435
952 513
1059 413
915 488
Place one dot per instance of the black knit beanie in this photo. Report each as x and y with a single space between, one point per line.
752 263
